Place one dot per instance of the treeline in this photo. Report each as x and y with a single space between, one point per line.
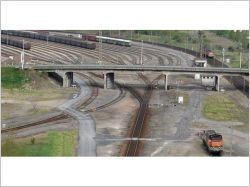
242 37
173 35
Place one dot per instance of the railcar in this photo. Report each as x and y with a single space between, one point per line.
103 39
114 41
208 53
89 38
70 35
16 43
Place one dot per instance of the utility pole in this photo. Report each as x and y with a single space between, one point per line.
200 35
240 58
151 37
131 34
186 45
100 47
170 37
177 92
22 56
223 55
142 52
231 147
47 39
7 38
240 53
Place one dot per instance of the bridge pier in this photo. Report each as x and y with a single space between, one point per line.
166 80
109 80
67 79
217 82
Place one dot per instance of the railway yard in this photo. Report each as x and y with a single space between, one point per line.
138 117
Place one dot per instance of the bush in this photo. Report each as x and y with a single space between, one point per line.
218 47
32 140
231 49
13 78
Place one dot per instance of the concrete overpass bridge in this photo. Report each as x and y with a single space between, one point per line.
110 70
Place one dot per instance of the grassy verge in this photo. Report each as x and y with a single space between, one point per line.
221 108
53 143
13 78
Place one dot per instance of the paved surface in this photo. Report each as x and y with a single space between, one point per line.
86 143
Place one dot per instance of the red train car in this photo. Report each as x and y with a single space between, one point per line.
89 37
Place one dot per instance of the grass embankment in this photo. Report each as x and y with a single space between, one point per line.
54 143
28 93
13 78
221 107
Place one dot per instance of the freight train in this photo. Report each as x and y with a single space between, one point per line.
58 39
16 43
103 39
94 38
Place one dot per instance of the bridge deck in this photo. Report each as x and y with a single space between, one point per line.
150 68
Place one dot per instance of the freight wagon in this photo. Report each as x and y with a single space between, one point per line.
89 38
67 41
108 40
114 41
16 43
70 35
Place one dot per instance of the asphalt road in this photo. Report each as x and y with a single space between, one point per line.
87 129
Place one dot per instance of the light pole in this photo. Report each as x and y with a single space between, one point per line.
223 55
177 92
151 37
100 47
240 53
142 52
231 147
170 37
7 38
22 56
186 44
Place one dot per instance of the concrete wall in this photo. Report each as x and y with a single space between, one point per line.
109 80
64 79
56 77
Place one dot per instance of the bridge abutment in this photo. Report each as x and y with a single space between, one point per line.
67 79
166 81
109 80
217 82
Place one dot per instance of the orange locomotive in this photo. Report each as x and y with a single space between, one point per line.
212 140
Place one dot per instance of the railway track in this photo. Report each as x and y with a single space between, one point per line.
60 53
121 95
134 144
37 123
